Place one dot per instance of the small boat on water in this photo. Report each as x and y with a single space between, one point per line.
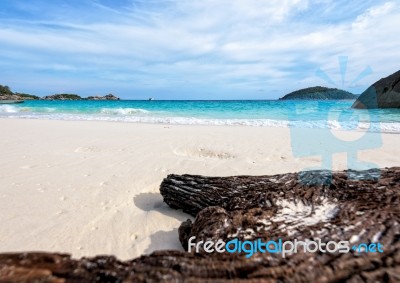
11 101
151 98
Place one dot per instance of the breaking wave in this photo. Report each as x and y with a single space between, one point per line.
123 111
128 117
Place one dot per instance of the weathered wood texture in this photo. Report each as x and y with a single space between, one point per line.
359 207
193 193
249 208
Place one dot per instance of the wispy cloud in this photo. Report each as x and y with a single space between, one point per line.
192 49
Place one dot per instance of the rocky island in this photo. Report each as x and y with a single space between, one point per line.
319 93
106 97
62 96
7 94
384 93
77 97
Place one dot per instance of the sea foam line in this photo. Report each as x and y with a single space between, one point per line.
393 127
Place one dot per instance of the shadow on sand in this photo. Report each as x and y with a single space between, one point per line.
162 239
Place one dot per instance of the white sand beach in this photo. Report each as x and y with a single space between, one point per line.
90 188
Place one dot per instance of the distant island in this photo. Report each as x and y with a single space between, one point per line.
319 93
106 97
62 96
7 94
68 96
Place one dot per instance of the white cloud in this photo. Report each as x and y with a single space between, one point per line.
373 14
261 44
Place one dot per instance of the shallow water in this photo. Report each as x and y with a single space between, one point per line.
276 113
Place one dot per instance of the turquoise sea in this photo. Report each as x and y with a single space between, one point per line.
275 113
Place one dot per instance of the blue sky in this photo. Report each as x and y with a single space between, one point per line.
170 49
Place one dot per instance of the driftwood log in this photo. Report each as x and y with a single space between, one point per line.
249 208
356 206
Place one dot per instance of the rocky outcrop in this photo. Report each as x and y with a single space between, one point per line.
26 96
319 93
361 207
385 93
18 96
62 96
10 97
7 94
77 97
106 97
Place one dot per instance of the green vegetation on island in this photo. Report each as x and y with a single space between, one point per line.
7 94
319 93
26 96
5 90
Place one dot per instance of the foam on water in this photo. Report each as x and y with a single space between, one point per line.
377 127
15 109
122 111
221 113
8 109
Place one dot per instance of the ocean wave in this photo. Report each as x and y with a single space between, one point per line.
123 111
47 109
319 124
15 109
8 109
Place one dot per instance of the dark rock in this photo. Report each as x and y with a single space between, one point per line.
385 93
106 97
10 97
319 93
62 96
26 96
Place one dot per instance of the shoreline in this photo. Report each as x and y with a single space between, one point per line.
90 187
224 124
